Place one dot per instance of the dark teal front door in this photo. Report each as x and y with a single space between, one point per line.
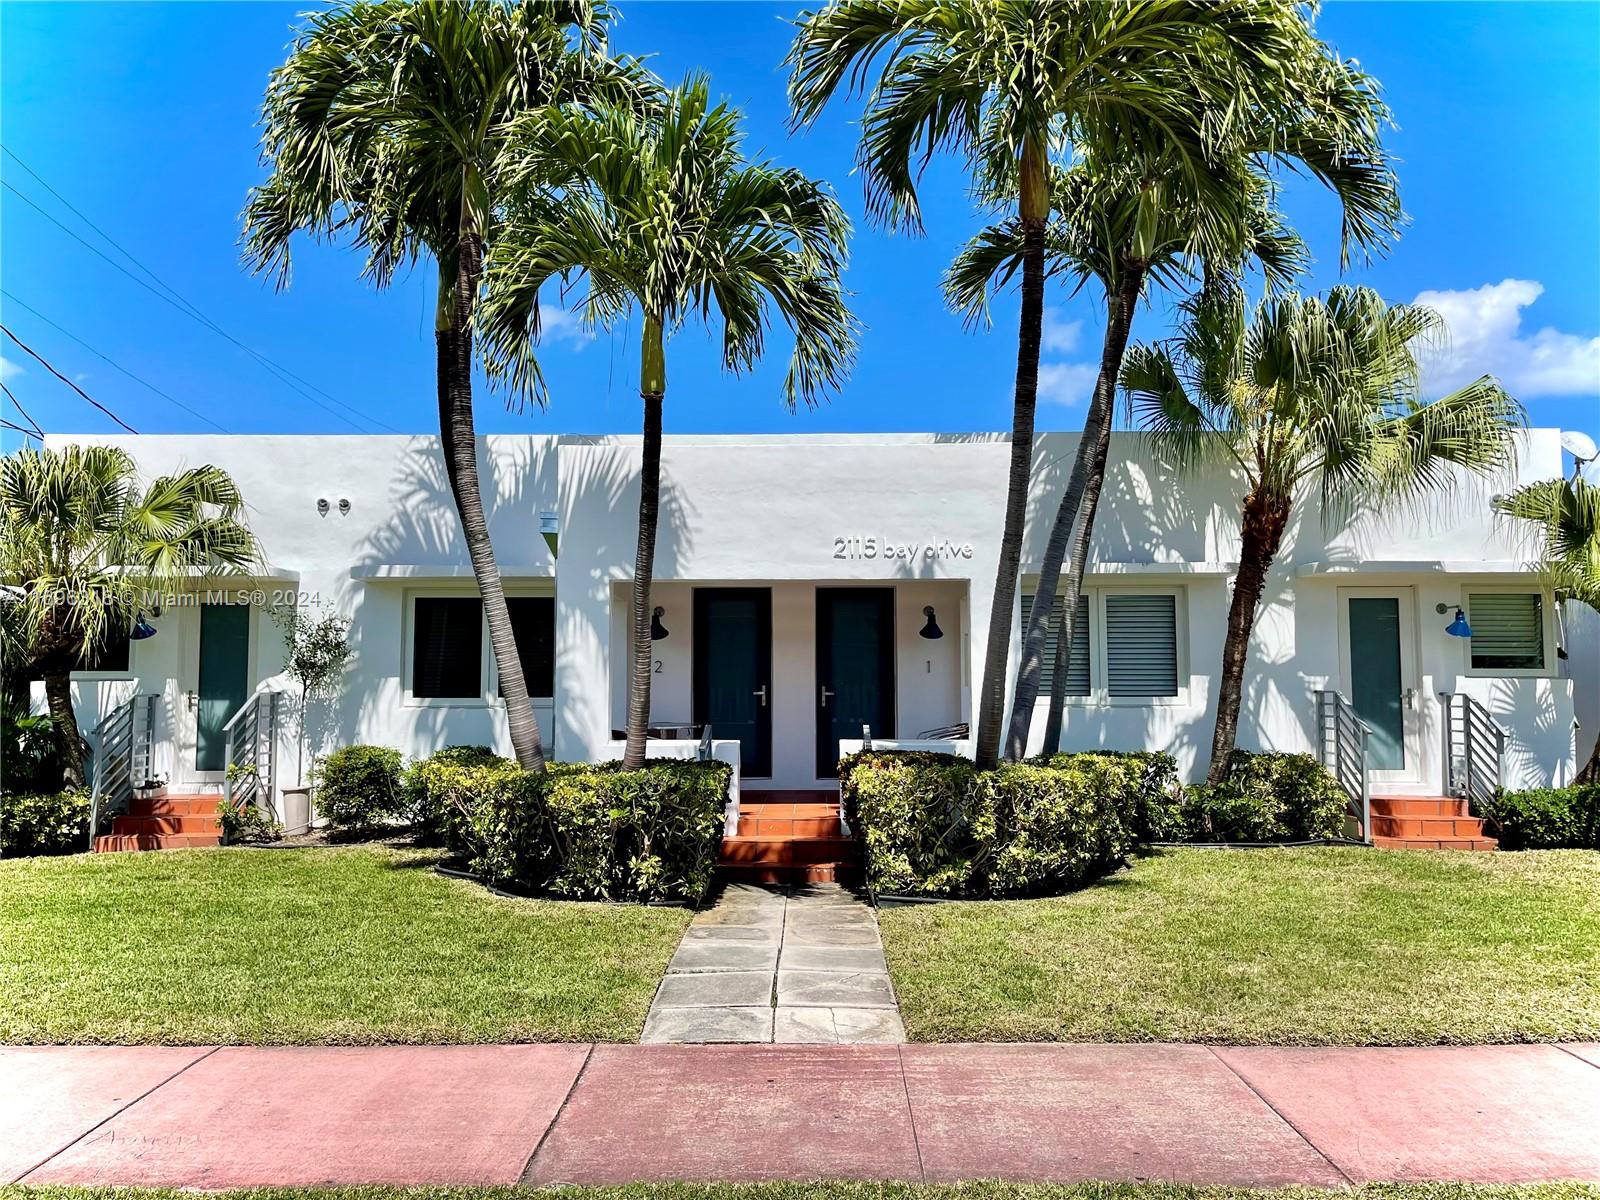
855 669
733 671
224 680
1377 689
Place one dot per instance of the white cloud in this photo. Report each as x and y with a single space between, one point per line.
557 324
9 370
1486 338
1067 383
1060 337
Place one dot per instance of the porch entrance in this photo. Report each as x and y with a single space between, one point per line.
1379 659
855 668
224 680
733 671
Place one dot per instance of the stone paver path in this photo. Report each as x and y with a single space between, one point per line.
769 964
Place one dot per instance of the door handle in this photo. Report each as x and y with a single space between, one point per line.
192 699
1411 698
762 692
825 695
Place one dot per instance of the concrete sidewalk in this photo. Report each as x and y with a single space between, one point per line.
249 1116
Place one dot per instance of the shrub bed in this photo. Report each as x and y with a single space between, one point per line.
1266 798
934 825
1546 818
358 786
47 823
579 830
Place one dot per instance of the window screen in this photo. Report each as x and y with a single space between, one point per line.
1141 645
1507 631
447 647
1078 664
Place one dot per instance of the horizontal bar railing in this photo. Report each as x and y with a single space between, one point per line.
122 747
252 752
1342 739
1474 749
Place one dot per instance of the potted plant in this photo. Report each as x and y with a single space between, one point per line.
154 788
316 651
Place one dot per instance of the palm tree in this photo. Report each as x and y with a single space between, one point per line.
89 551
1567 514
1312 392
1118 225
1008 85
661 212
387 123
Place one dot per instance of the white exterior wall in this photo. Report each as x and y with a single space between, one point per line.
766 511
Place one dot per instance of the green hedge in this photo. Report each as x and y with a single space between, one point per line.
579 830
1546 818
933 824
1267 798
358 786
50 823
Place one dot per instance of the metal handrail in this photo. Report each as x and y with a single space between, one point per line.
122 755
1478 770
252 742
1342 739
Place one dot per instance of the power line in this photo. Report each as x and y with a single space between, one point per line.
113 362
26 414
171 296
26 432
46 363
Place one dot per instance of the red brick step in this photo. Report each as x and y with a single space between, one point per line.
790 837
1426 823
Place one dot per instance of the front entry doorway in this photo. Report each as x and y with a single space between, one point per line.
855 669
217 657
733 671
1379 660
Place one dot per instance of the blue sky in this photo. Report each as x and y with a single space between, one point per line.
142 116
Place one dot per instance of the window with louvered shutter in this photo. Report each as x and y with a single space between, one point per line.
1078 664
533 621
1507 631
1141 645
447 647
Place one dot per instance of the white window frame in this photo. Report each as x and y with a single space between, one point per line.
496 700
486 697
1547 631
1099 695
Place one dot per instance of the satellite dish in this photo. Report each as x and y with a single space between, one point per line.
1590 472
1580 445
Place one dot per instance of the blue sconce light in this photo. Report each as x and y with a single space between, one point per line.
1457 627
141 629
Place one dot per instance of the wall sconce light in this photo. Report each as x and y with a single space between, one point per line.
141 629
322 506
931 630
344 508
549 529
657 629
1457 627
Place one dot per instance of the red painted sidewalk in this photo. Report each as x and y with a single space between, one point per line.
244 1117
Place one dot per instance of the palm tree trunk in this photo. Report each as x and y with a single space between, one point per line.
58 693
652 388
1265 517
453 337
1591 769
1058 691
1082 495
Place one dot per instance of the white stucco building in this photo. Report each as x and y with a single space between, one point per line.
795 575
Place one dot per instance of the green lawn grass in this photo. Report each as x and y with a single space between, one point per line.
854 1191
351 945
1291 946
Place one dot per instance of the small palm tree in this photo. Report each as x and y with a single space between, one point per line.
1009 84
1310 393
387 124
89 550
1567 515
661 212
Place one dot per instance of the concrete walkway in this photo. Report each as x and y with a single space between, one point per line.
771 964
421 1115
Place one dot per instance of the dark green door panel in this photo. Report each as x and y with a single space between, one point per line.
855 668
224 679
733 671
1376 686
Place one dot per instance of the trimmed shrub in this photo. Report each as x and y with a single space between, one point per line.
48 823
933 824
581 831
1267 798
358 786
1546 818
